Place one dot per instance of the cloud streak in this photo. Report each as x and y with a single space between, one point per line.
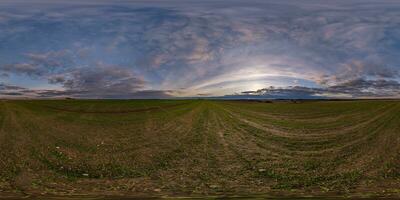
358 88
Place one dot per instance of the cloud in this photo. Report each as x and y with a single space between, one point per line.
12 91
150 94
22 68
97 80
200 46
100 80
40 64
5 87
358 69
368 88
142 94
4 75
357 88
291 92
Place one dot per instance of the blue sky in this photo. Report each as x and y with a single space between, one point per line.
163 49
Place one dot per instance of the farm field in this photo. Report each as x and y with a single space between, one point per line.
199 148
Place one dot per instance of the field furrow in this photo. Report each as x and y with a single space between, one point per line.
197 147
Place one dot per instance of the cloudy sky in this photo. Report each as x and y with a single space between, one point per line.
162 49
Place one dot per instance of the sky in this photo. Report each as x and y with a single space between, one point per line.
186 48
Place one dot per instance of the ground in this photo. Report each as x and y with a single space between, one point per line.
199 148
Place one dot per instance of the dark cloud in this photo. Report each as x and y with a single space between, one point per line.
367 88
296 92
40 64
22 68
358 88
149 94
11 93
143 94
100 80
357 69
4 75
53 93
4 87
204 94
95 81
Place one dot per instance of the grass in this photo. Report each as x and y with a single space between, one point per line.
199 147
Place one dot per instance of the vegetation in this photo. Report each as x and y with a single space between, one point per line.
199 147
